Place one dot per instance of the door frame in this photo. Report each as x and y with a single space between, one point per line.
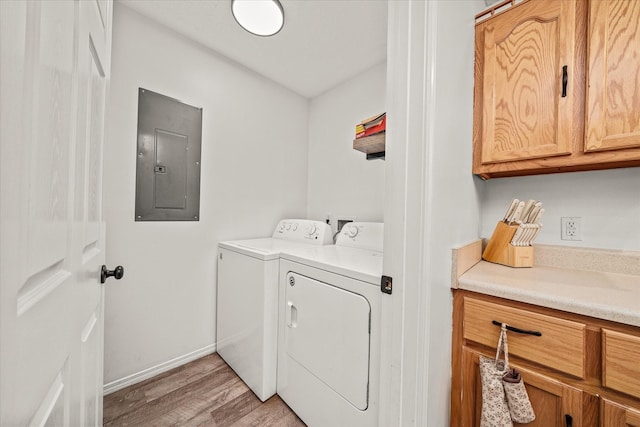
430 63
410 84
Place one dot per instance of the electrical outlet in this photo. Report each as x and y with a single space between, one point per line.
570 228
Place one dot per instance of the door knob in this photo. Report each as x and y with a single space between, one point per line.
117 273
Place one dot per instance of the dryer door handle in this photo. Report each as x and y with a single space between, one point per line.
292 315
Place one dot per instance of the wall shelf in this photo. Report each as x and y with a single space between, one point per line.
373 146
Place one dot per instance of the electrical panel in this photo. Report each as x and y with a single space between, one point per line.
168 159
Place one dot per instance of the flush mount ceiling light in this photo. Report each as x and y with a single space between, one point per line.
259 17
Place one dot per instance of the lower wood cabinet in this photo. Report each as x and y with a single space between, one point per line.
561 397
614 414
555 404
620 362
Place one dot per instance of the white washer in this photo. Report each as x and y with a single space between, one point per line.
247 300
329 329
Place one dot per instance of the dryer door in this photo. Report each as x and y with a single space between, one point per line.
327 331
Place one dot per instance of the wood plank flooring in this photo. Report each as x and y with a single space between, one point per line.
205 392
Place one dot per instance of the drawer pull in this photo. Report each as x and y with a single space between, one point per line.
518 330
568 420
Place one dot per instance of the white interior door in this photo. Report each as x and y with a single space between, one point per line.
54 75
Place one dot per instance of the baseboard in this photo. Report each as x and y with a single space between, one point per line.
158 369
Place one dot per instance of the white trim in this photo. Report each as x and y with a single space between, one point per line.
407 182
425 296
158 369
391 348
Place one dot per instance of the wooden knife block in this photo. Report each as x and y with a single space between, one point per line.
500 251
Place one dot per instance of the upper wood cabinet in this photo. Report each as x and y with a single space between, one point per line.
530 82
613 77
520 56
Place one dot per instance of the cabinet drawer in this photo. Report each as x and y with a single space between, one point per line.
620 367
613 414
561 346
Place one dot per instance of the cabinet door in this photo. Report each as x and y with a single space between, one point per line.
552 400
521 112
616 415
613 93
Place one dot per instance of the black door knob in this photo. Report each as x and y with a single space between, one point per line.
117 273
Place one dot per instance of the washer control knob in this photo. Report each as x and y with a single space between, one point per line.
311 230
288 226
295 227
281 228
352 231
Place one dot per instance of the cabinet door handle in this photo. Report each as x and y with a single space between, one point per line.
565 80
518 330
568 420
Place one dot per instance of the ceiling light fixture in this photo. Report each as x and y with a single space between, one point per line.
259 17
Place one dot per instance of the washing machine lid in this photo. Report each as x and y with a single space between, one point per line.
359 264
266 249
289 233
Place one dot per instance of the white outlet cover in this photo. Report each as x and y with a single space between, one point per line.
571 228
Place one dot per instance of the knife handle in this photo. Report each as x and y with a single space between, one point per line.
510 209
535 233
533 212
518 235
516 215
523 236
527 210
536 220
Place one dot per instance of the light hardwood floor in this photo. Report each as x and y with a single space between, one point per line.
205 392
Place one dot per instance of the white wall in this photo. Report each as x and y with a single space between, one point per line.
608 202
254 155
341 180
453 201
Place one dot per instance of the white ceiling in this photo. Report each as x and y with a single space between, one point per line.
322 43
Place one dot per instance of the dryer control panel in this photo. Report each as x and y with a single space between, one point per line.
363 235
304 230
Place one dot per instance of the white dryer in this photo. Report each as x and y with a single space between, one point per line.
247 299
329 329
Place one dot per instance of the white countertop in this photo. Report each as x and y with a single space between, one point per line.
609 296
